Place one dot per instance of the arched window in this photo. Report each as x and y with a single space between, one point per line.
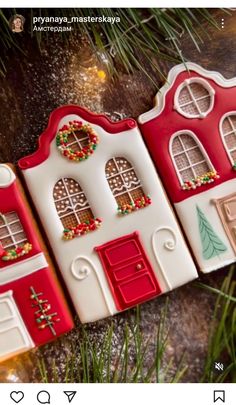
125 185
189 157
13 240
228 133
194 98
71 203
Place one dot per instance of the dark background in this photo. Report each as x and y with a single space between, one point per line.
39 80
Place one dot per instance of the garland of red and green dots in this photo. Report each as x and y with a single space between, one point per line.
73 127
135 205
82 228
13 254
198 181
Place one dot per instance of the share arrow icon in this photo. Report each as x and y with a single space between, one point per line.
70 395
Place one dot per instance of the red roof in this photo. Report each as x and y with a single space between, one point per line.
49 134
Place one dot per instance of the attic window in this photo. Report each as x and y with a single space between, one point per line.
73 209
228 134
76 141
194 98
13 240
125 185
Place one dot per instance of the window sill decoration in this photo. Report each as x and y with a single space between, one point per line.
62 141
134 206
207 178
13 254
81 229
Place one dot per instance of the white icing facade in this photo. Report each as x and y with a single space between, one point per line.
137 244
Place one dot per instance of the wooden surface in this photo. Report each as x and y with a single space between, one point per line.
37 83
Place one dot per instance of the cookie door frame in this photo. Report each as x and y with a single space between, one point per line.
220 205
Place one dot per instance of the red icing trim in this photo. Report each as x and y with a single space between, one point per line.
158 131
55 117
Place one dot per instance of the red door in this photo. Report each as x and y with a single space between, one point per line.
130 275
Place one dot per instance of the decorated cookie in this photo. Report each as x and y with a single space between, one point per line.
32 307
107 218
191 136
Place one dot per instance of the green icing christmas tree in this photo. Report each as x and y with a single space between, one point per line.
211 244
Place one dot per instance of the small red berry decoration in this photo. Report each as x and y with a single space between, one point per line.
73 128
81 229
13 254
137 204
207 178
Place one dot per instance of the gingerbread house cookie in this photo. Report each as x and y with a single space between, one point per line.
32 307
191 135
112 230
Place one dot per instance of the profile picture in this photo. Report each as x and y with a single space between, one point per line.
16 23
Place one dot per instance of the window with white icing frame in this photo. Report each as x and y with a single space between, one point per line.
14 337
123 181
188 156
71 203
194 98
228 134
12 234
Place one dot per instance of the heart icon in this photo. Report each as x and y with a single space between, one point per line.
17 396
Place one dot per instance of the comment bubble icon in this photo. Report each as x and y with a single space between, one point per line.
43 397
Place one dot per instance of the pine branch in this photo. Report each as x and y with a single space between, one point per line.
140 35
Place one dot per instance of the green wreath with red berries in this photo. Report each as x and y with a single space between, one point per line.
62 140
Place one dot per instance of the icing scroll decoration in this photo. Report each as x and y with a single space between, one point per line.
125 186
211 244
82 270
77 141
13 241
168 244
